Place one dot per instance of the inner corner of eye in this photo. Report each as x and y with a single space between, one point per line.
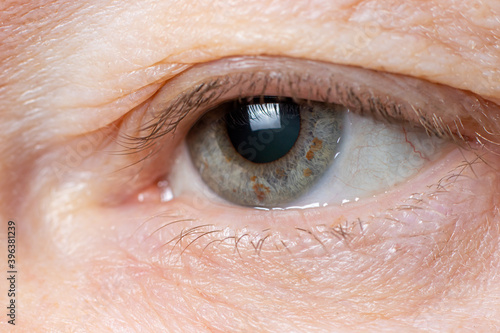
279 152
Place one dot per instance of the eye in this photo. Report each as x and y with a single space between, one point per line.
386 145
274 136
272 152
283 133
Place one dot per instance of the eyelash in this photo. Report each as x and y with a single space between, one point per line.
207 95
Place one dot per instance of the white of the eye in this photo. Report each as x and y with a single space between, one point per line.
374 156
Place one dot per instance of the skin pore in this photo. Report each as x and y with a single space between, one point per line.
77 75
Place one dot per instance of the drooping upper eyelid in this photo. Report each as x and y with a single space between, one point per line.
441 110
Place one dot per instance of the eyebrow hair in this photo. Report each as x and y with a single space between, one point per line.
207 93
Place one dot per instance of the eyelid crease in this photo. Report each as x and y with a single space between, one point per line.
441 110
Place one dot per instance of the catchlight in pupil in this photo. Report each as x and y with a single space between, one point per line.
263 130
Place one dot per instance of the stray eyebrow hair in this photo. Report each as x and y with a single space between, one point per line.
442 111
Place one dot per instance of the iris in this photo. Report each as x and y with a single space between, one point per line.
265 151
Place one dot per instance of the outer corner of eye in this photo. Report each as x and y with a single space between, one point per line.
260 149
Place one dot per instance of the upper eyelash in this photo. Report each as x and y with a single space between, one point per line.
167 121
206 93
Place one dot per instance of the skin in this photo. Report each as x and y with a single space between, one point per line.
92 257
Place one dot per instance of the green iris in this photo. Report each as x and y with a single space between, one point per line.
267 151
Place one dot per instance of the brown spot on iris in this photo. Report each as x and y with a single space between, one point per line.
280 173
260 191
253 178
307 172
316 145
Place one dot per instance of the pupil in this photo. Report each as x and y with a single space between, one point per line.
264 129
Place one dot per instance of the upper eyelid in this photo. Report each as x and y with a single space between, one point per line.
443 111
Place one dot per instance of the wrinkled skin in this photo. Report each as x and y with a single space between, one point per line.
91 257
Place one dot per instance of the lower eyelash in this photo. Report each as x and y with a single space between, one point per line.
176 232
318 240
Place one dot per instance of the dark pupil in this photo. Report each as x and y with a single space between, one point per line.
263 130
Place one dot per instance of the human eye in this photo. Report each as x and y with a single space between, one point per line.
389 143
293 150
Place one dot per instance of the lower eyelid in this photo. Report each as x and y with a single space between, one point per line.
193 224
